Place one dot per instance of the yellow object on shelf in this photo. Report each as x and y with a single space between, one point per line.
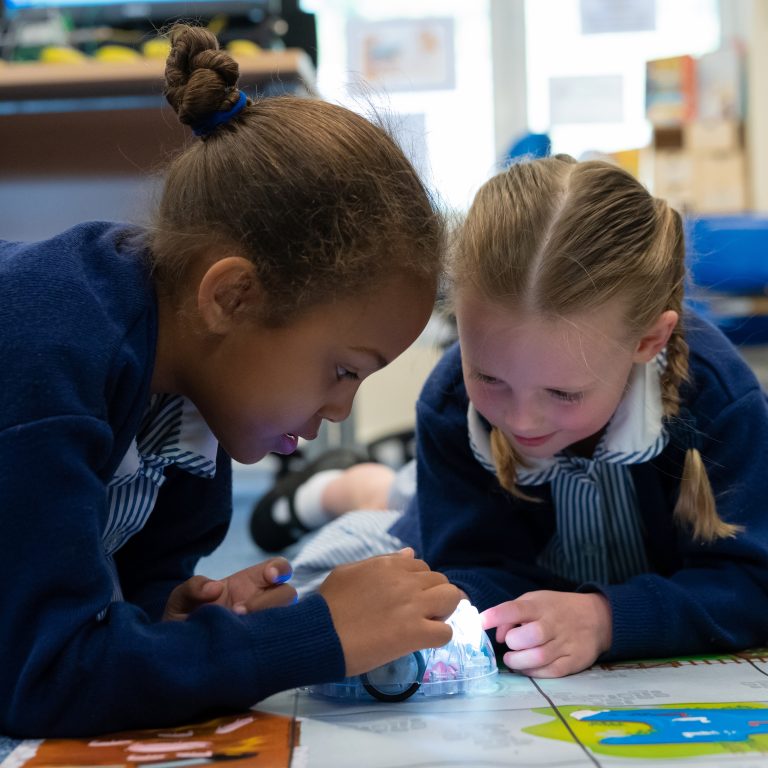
116 53
157 48
242 49
629 160
61 54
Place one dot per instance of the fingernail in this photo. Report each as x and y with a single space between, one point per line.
281 578
239 609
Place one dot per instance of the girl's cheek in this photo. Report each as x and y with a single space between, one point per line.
488 407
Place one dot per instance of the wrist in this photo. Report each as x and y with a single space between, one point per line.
604 621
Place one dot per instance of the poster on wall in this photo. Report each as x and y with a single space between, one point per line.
403 54
410 130
600 16
586 99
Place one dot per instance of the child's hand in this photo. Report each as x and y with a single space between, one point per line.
252 589
386 607
551 634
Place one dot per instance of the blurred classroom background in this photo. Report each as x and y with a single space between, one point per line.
673 90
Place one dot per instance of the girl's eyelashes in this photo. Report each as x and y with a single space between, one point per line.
568 397
559 394
344 373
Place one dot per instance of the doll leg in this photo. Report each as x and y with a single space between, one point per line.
353 536
340 481
277 521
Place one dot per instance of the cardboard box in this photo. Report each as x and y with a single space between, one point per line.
722 84
668 137
720 183
670 90
713 135
673 177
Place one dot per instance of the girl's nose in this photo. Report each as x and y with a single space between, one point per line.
521 418
337 409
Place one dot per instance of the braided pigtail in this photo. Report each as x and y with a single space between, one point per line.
506 460
695 507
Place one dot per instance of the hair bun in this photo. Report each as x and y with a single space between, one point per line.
200 79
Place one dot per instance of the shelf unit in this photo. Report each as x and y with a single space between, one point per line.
96 118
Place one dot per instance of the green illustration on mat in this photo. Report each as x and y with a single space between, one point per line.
668 731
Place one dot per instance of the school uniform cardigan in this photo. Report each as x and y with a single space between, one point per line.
696 598
78 330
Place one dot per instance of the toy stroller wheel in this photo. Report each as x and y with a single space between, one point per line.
398 680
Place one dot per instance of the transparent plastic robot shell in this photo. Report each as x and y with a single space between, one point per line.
465 665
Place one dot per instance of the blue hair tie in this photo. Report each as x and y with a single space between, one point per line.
212 122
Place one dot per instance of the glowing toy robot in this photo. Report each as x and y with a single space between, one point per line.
466 664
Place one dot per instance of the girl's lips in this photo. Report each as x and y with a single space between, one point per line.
288 443
532 442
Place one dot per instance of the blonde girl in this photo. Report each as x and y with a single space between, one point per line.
591 455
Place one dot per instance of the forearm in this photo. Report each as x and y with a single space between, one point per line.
126 672
692 612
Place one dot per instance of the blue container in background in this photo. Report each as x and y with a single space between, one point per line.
728 258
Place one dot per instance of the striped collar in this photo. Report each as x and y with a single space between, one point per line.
634 434
171 431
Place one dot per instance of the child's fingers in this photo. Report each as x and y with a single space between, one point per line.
502 630
196 591
202 589
407 552
278 596
559 667
434 633
512 612
442 600
531 658
525 636
278 571
499 615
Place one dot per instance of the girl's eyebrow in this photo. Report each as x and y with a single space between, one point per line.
381 361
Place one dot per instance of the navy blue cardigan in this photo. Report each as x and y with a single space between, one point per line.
697 598
78 329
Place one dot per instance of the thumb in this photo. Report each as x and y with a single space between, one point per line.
204 590
191 594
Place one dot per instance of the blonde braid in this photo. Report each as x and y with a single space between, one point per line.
695 507
506 460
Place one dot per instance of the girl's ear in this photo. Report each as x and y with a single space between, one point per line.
228 287
656 337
